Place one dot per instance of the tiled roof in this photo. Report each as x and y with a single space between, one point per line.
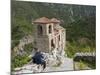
54 20
46 20
42 20
59 28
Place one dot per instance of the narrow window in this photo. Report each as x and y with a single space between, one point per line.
59 37
52 44
50 29
40 30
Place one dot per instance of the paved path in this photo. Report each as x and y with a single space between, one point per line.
67 65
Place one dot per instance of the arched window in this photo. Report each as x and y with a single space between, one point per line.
52 44
40 30
59 37
50 29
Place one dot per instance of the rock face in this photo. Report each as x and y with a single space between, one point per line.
24 41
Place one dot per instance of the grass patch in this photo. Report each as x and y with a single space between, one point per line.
84 65
73 47
80 66
19 61
28 48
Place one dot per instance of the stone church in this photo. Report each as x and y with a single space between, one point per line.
49 35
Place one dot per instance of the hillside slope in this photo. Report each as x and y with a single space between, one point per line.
78 20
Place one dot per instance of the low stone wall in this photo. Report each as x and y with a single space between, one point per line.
85 57
84 61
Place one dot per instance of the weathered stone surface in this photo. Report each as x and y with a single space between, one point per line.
67 65
50 59
49 36
87 56
19 49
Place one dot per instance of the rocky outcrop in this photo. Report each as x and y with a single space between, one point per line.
19 49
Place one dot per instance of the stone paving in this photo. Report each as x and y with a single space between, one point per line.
67 65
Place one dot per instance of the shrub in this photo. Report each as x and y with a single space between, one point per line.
19 61
28 48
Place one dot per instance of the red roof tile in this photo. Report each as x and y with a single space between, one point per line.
54 20
46 20
42 20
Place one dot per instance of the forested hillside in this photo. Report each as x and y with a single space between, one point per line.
74 16
79 21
